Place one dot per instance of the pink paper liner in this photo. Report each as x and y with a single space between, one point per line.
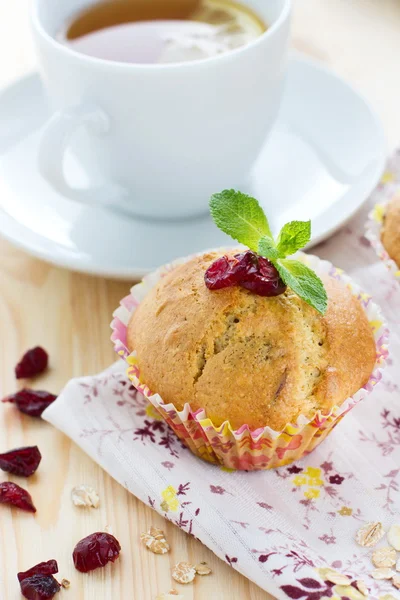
244 449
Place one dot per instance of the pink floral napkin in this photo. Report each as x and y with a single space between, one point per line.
279 528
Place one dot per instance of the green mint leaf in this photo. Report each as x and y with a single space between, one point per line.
240 216
267 248
293 236
304 282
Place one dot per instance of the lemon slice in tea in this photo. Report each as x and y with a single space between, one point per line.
232 17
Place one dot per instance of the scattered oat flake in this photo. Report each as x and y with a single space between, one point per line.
398 565
155 541
158 534
384 557
85 496
382 573
183 572
172 595
322 571
393 537
370 534
65 583
396 581
360 585
336 578
387 597
203 569
348 592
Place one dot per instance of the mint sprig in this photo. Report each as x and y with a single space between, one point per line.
304 282
293 236
242 218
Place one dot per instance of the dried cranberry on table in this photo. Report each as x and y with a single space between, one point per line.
32 363
31 402
38 582
94 551
21 461
49 567
11 493
39 587
248 270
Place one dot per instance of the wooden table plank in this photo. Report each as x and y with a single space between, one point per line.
69 313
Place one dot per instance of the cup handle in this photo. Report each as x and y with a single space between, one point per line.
55 140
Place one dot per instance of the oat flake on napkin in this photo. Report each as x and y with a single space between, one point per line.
279 527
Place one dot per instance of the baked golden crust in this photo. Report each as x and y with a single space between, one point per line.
245 358
391 230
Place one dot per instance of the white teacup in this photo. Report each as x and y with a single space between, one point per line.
164 137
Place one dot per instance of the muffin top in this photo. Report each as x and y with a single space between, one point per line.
246 358
391 230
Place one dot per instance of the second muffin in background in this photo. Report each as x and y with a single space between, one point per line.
383 230
390 234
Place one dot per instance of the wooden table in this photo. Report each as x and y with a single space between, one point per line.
360 40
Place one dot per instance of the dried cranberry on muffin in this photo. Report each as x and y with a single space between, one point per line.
247 358
391 230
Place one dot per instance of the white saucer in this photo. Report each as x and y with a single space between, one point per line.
322 160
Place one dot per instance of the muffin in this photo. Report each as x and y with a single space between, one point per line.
245 381
247 359
390 234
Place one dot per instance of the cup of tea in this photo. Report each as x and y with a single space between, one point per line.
161 101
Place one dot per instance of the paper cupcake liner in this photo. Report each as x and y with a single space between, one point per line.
243 448
373 233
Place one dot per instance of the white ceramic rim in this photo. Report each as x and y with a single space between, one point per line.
154 67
